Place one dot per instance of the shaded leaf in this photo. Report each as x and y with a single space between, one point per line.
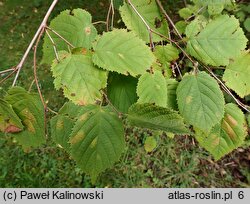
156 118
122 91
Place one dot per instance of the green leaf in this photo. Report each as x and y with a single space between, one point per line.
97 140
75 26
30 110
185 12
226 136
156 118
61 128
63 123
237 75
181 26
152 15
70 109
122 91
172 85
247 24
200 100
166 54
123 52
9 121
221 40
152 88
80 80
150 144
215 7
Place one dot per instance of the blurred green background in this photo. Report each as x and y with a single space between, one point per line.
177 162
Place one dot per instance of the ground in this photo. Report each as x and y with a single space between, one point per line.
178 162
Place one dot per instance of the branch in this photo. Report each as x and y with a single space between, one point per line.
224 87
7 70
57 34
146 24
111 12
42 26
54 45
168 18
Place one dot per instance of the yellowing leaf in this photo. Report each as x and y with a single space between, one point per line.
225 136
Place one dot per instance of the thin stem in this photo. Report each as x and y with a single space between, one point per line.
7 71
35 68
61 37
112 106
43 24
168 18
178 69
246 108
111 12
32 83
8 76
145 23
54 45
99 22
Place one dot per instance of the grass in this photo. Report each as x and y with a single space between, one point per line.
177 162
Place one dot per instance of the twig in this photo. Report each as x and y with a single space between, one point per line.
177 44
43 24
168 18
8 76
178 69
54 45
32 83
246 108
52 111
99 22
7 71
150 31
56 33
111 12
112 106
35 69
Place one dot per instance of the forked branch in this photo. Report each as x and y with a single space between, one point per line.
38 32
